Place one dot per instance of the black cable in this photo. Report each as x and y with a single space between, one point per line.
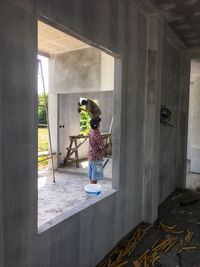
165 116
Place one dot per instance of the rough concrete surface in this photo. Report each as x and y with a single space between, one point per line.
194 118
192 179
123 29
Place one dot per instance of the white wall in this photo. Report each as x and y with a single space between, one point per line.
107 72
194 118
85 73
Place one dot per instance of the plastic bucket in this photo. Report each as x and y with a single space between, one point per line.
93 189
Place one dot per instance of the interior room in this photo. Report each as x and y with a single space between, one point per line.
70 71
136 59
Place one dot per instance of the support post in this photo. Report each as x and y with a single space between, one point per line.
152 119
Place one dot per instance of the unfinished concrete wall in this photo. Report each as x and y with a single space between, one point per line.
1 172
70 118
151 120
171 78
19 133
122 28
76 71
107 72
182 126
84 238
85 70
194 118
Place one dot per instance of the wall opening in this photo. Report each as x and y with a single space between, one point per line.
193 148
43 131
76 70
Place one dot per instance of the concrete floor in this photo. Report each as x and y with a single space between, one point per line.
192 179
68 191
173 213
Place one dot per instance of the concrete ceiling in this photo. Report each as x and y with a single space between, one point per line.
52 41
183 16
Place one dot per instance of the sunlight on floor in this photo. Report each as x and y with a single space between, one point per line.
63 195
84 164
42 181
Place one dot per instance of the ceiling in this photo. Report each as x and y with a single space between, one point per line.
183 16
53 41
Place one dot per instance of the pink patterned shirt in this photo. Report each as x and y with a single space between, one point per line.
96 145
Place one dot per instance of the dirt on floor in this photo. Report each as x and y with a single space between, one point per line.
64 195
173 241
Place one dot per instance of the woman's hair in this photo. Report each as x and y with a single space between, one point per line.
94 122
84 102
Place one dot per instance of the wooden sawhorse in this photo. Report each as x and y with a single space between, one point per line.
73 148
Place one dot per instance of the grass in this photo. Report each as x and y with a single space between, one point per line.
42 146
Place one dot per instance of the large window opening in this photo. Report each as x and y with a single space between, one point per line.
74 70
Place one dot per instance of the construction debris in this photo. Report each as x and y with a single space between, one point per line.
189 235
171 237
187 249
177 196
169 229
117 258
150 257
188 201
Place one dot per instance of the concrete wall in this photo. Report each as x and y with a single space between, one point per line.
19 133
76 71
84 70
107 72
151 118
182 126
1 171
174 94
168 136
70 118
89 71
194 118
131 31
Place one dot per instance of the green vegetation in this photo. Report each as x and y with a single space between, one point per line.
84 122
42 146
41 108
42 132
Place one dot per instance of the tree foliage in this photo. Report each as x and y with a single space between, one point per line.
41 108
84 122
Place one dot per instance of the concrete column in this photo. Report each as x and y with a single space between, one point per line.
183 121
18 138
116 141
1 165
53 125
194 118
152 119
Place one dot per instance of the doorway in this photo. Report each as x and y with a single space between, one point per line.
193 148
